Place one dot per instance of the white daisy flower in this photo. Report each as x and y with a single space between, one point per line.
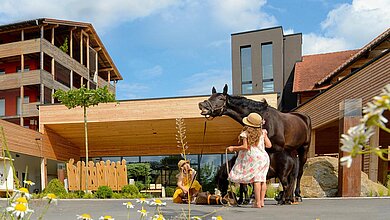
346 161
28 182
142 201
19 210
143 212
158 217
24 191
128 205
158 202
217 217
84 217
51 197
106 217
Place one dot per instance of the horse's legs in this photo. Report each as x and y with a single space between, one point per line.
302 154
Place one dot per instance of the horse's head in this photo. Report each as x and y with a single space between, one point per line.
215 105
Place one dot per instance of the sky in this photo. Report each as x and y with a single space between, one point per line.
170 48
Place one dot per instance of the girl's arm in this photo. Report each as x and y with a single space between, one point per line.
180 184
244 146
267 142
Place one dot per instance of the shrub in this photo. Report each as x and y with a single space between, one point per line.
271 191
117 196
139 185
139 172
104 192
73 195
56 187
169 191
90 196
130 189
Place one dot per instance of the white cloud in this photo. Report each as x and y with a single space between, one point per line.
127 90
151 72
242 15
349 26
201 83
288 31
314 44
101 13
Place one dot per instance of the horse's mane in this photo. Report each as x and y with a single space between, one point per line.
248 103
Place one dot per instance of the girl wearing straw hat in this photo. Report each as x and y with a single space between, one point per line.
252 163
187 186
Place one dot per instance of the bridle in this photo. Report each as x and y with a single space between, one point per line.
221 109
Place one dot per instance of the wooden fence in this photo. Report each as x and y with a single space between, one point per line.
102 173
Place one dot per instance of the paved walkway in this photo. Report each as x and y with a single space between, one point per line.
361 208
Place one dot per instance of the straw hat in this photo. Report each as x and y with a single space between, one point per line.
253 120
182 162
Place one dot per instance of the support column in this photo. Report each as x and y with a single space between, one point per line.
43 172
374 160
21 105
71 79
71 43
312 148
42 94
109 78
349 183
81 47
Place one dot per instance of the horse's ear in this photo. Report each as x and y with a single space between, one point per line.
213 90
264 101
225 89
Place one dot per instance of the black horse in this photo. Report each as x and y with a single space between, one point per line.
288 132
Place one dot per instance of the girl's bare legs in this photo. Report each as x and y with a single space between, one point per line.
257 188
263 190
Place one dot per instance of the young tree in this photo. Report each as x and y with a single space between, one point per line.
84 98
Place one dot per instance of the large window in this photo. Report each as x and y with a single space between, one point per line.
2 107
25 101
246 70
267 67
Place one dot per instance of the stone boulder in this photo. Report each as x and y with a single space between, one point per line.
320 179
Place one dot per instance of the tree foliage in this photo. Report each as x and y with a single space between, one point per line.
84 97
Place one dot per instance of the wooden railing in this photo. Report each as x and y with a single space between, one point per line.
20 47
30 109
15 80
64 58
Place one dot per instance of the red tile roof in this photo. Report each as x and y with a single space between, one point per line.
315 67
382 37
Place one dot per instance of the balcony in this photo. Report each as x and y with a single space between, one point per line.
20 47
30 109
16 80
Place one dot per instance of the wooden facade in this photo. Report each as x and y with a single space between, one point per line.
143 127
30 57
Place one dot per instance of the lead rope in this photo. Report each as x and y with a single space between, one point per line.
230 184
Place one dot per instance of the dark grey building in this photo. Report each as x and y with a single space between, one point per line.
263 62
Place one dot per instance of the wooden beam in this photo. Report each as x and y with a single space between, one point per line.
52 36
43 173
374 160
42 97
22 35
109 78
97 49
96 69
71 79
71 43
81 46
41 54
21 105
106 69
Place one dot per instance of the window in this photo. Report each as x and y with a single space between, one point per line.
246 70
2 107
25 100
267 67
26 68
2 71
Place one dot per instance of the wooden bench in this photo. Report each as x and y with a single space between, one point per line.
155 188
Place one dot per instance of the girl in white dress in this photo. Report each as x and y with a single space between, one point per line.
252 163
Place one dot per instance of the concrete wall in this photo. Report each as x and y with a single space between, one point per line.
286 50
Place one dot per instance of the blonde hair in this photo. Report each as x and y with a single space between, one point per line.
253 135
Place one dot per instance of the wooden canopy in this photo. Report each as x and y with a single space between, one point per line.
142 127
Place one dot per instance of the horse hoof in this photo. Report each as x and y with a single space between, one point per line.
298 199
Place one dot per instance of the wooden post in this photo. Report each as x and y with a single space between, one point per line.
71 79
42 93
96 69
109 78
71 43
52 36
41 54
43 172
81 46
350 178
312 148
373 165
21 105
